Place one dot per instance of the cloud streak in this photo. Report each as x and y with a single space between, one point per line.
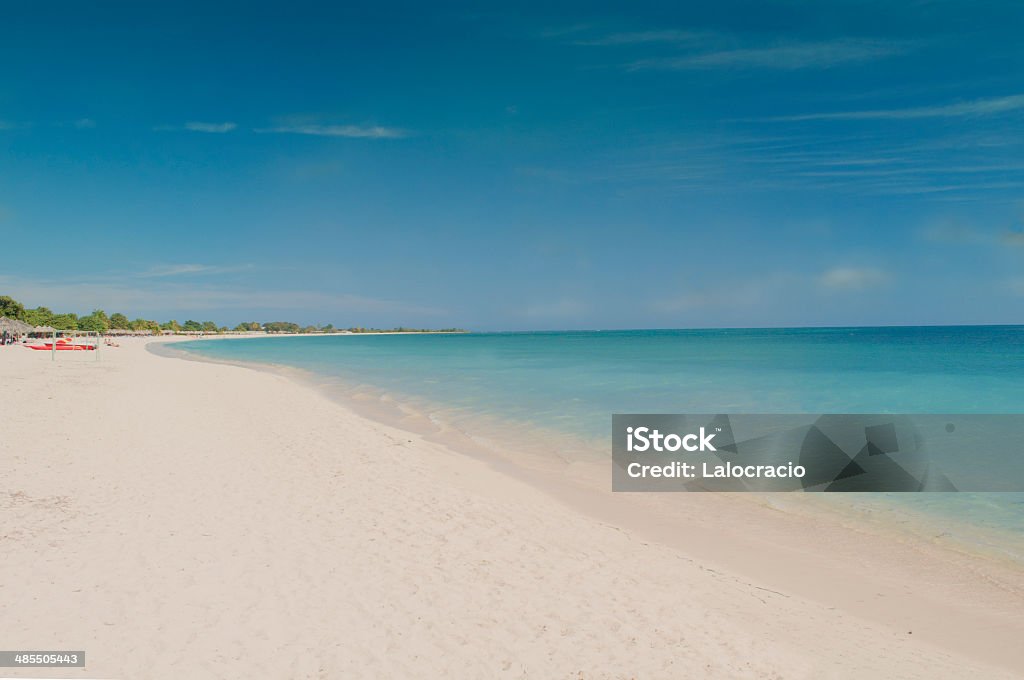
215 128
853 278
352 131
165 270
199 126
786 56
643 37
978 107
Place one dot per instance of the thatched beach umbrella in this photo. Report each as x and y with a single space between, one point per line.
44 329
13 326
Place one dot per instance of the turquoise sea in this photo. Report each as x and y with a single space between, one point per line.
572 381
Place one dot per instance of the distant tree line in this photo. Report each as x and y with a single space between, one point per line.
99 321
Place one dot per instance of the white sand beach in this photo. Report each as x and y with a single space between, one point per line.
181 519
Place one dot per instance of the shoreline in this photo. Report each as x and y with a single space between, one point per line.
192 518
909 547
505 450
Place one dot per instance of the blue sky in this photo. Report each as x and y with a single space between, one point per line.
543 165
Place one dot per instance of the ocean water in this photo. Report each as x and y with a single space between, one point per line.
571 382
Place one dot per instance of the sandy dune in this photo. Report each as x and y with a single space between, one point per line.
178 519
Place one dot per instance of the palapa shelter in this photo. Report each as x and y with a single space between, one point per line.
13 326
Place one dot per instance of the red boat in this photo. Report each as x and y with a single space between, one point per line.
63 346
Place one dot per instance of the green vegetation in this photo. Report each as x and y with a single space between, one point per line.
281 327
11 308
403 329
43 316
99 321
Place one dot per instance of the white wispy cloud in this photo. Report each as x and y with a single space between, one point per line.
853 278
643 37
217 128
355 131
199 126
911 188
976 107
808 160
557 32
783 56
158 271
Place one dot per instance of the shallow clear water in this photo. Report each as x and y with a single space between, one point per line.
573 381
